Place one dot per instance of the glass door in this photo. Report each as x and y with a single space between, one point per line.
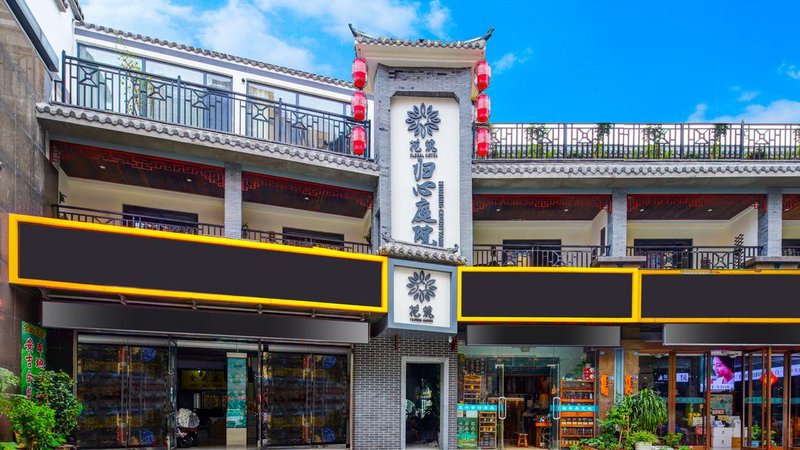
756 405
774 383
556 406
691 404
172 382
793 437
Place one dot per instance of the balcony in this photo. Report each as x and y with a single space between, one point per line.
97 216
663 142
711 258
537 256
106 88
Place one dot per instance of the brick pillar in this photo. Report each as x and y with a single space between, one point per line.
770 224
233 200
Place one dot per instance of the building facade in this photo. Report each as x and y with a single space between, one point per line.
196 231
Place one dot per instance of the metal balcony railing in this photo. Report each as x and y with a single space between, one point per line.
102 87
98 216
791 251
537 256
638 141
694 257
299 240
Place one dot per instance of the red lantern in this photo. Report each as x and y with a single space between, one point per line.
482 142
358 140
483 108
360 72
483 75
359 105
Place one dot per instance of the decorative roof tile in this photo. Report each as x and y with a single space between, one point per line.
478 43
205 136
407 250
217 55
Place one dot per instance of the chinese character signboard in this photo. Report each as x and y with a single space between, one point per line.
422 296
237 391
425 171
34 355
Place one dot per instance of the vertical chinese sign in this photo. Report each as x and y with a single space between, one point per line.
237 391
425 163
34 355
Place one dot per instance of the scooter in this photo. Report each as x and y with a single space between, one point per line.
186 433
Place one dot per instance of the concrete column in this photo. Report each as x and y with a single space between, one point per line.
617 229
770 224
233 200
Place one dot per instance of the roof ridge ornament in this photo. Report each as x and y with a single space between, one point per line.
362 37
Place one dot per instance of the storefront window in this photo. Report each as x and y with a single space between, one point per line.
776 398
794 401
508 396
690 403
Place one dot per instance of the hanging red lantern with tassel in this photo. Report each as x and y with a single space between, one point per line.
359 106
482 142
483 75
360 72
483 108
358 140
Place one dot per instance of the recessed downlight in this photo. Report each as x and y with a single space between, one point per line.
189 180
103 167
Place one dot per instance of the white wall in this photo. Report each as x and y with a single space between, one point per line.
274 218
702 232
111 196
56 24
791 229
570 232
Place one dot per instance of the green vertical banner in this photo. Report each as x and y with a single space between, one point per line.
237 391
34 355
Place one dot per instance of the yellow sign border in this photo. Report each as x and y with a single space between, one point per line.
635 295
13 266
723 272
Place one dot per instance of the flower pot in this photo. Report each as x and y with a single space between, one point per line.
643 446
755 443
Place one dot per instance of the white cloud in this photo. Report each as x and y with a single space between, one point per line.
158 18
747 96
509 60
779 111
378 17
791 70
242 29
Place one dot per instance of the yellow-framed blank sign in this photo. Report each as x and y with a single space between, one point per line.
61 254
547 294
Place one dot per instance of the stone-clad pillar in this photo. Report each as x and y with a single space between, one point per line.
233 200
770 224
617 230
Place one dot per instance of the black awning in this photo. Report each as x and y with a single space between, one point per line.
188 322
732 334
544 335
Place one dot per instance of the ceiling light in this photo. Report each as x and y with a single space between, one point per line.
710 209
305 198
103 167
566 209
498 209
189 180
641 209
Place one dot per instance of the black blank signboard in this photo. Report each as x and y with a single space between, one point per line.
114 259
720 296
546 294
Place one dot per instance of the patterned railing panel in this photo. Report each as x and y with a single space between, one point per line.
537 256
684 141
108 88
136 221
694 257
273 237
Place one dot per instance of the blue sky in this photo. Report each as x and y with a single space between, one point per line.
553 61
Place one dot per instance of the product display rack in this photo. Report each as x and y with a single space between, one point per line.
487 429
472 388
577 411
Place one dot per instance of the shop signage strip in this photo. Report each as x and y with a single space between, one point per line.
547 294
719 296
476 407
577 408
61 254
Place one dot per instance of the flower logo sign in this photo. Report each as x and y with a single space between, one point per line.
422 288
423 121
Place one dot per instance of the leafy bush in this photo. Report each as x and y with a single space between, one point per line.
642 437
55 389
8 382
648 411
34 424
673 439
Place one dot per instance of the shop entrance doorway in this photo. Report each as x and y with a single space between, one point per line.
425 403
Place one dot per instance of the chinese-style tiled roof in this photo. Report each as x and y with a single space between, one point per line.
478 43
217 55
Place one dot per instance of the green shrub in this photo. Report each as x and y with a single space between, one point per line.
673 439
55 390
648 411
34 424
8 382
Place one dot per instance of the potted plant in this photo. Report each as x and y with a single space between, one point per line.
648 411
34 424
56 391
8 382
642 440
672 440
755 436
